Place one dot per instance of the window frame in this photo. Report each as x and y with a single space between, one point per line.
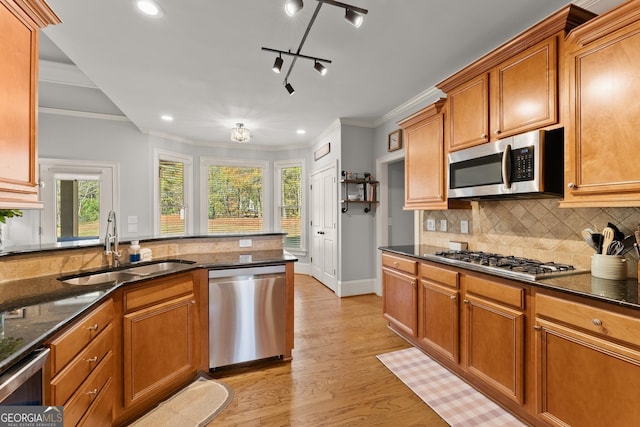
278 166
205 162
187 161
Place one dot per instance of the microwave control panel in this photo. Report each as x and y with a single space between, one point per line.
522 162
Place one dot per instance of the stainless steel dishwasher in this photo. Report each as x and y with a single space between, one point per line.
246 314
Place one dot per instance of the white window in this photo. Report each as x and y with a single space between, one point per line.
290 212
233 196
173 193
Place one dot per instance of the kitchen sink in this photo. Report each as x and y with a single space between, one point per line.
106 277
126 274
160 267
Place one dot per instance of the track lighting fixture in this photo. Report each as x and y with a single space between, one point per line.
353 17
277 66
320 68
289 88
293 6
353 14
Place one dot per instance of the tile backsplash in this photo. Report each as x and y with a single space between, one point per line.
537 229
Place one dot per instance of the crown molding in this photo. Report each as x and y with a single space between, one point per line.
83 114
63 74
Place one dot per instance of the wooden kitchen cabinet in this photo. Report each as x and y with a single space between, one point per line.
587 364
19 24
495 340
81 368
400 293
602 133
438 310
160 338
425 163
514 88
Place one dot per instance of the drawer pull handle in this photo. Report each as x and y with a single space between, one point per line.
396 264
93 392
537 328
93 328
94 359
466 301
193 301
596 322
453 297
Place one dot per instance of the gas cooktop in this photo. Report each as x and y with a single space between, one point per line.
509 265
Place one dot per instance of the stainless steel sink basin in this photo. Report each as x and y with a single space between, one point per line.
126 274
107 277
160 267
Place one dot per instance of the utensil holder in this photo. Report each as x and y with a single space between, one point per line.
612 267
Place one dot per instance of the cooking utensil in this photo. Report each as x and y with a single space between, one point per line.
617 234
628 243
597 241
615 248
587 235
607 237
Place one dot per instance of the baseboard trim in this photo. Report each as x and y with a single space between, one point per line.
356 287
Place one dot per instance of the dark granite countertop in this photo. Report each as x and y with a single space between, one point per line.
32 310
618 292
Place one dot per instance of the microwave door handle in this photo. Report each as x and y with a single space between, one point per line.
506 167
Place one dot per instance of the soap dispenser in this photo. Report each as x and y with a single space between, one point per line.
134 251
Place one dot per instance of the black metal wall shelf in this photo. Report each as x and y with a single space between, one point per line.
367 192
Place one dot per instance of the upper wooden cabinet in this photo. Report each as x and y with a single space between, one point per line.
602 133
512 89
19 24
425 162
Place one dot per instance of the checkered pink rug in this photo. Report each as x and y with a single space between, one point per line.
455 401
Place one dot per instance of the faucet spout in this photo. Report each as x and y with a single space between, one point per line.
111 239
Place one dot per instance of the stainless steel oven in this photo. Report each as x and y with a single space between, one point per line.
526 165
22 384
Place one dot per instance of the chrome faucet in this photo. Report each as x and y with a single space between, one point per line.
111 239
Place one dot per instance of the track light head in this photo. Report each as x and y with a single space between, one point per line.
289 88
277 66
293 6
320 68
354 18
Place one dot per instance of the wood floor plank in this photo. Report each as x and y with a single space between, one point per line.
334 378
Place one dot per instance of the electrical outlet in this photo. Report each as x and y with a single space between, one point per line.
431 225
464 226
443 225
245 243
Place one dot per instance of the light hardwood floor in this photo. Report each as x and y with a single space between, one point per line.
334 378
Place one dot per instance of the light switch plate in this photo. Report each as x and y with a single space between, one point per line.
443 225
464 226
431 225
245 243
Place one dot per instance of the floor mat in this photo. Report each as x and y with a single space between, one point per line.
195 405
459 404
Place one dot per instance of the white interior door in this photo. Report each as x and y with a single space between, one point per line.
324 244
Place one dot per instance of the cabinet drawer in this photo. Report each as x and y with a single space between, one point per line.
602 322
157 291
399 263
505 294
440 275
68 380
99 413
70 343
89 391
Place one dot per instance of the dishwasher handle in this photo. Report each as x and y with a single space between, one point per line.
247 271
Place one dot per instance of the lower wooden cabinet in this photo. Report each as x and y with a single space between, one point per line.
495 335
438 311
160 339
400 294
584 376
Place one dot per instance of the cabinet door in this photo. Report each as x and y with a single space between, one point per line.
400 300
601 162
495 346
424 162
158 348
438 316
19 49
524 91
469 113
583 380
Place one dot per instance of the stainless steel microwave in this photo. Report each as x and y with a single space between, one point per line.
528 165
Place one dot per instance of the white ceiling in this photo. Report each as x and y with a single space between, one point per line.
202 62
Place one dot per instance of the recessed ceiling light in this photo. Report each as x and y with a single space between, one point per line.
167 117
148 7
301 131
